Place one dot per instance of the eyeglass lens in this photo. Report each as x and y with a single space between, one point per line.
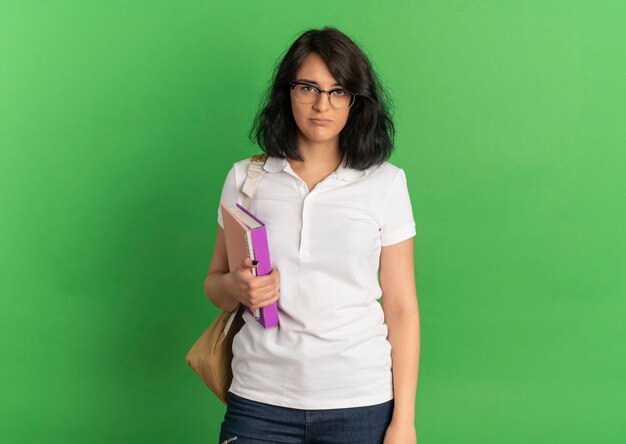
309 94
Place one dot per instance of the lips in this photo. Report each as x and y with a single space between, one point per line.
321 121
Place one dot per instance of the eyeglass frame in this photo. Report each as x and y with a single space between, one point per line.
293 84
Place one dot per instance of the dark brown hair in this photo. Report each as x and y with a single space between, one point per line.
368 135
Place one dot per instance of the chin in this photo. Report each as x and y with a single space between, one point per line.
320 136
321 139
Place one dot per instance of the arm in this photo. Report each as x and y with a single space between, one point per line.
216 282
399 299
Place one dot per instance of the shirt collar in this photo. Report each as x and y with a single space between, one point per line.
275 165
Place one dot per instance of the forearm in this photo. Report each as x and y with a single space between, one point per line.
403 333
216 289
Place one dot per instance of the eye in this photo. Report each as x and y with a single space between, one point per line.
307 88
340 92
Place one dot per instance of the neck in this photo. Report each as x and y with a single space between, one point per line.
317 156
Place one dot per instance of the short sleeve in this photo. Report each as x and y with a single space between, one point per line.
229 194
397 217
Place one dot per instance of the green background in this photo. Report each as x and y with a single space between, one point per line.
120 119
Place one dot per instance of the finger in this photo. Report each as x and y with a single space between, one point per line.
266 281
268 299
271 276
247 263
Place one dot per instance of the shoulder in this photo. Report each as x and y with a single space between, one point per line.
242 163
238 170
385 172
389 168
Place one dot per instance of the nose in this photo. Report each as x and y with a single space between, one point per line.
323 102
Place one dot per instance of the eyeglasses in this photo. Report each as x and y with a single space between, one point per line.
306 93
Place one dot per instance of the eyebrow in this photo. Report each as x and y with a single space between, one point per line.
314 82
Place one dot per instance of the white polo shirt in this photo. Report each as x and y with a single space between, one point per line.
331 348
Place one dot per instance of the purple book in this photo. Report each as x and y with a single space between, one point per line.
254 246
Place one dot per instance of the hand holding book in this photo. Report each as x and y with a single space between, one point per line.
254 291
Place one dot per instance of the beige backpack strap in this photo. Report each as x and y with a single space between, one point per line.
255 173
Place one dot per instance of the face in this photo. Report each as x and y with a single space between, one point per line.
315 71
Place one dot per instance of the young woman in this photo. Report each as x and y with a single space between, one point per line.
340 368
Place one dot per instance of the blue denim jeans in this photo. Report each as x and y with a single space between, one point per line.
252 422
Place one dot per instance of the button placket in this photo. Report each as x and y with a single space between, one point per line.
304 230
304 252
